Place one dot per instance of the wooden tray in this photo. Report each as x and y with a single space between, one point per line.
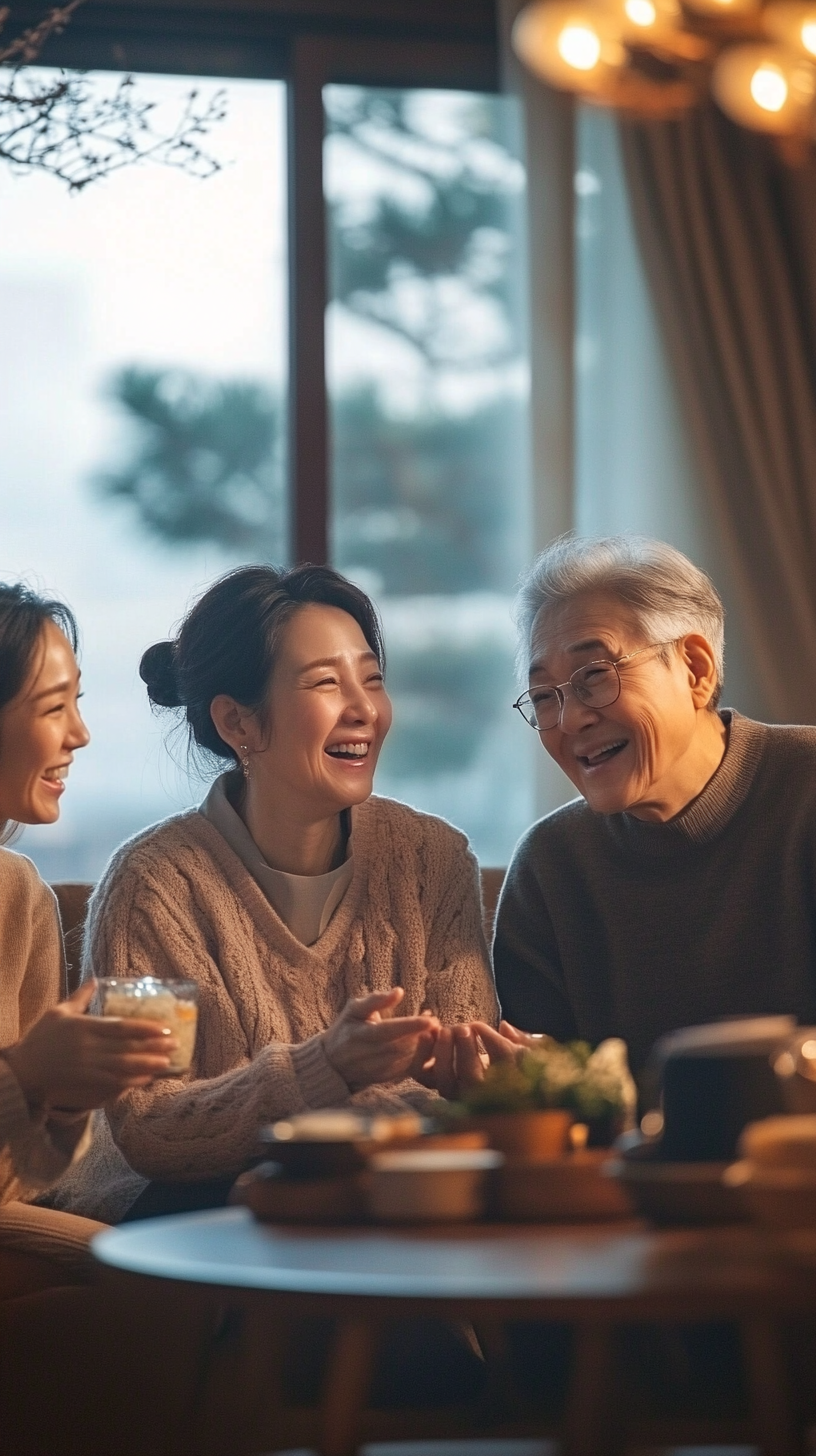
274 1198
562 1190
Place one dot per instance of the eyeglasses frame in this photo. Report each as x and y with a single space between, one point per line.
558 688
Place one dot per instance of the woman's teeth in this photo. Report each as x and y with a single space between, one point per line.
348 750
56 775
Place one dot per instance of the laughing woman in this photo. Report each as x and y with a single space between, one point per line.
55 1063
330 932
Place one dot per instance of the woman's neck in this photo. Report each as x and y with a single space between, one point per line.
288 843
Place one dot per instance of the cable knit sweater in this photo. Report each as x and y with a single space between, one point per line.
33 1150
176 901
612 926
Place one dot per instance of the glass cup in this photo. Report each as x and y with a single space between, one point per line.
173 1003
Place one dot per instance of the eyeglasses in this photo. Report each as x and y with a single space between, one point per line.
596 685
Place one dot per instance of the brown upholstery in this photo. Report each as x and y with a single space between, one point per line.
72 898
492 881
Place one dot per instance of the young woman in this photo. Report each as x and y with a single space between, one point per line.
55 1063
330 932
60 1390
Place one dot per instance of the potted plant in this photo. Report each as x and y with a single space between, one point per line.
527 1106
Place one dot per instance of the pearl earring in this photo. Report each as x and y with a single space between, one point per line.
245 760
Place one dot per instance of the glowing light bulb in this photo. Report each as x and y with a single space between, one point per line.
808 35
579 46
572 44
769 87
641 12
808 1050
719 7
766 87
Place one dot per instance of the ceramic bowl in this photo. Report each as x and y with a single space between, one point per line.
430 1185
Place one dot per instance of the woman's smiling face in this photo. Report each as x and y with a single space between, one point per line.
327 715
40 730
650 752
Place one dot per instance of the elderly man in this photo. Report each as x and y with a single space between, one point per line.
681 886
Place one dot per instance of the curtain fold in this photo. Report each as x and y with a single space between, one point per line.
728 235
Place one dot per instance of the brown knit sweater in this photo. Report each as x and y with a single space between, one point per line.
176 901
33 1149
610 926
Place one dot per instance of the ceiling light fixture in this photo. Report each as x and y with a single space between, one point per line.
658 58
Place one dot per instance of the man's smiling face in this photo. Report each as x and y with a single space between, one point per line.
640 754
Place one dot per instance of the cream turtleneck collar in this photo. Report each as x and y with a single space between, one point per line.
305 903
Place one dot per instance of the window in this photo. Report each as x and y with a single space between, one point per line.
144 426
428 387
158 435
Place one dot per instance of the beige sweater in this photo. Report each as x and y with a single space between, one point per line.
33 1149
177 901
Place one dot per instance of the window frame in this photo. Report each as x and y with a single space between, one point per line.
308 44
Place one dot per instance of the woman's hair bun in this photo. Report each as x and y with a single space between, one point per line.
157 670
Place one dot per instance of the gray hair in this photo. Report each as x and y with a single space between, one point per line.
666 593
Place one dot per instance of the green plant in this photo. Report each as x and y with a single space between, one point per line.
594 1085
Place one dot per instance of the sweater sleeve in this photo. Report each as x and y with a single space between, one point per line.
33 1152
529 978
33 952
198 1125
460 983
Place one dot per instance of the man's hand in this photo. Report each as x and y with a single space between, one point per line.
71 1061
367 1044
463 1053
526 1040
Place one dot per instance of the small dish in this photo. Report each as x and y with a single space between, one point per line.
333 1143
777 1198
679 1193
275 1198
433 1185
781 1142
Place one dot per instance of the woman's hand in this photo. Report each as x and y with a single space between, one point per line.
69 1061
367 1044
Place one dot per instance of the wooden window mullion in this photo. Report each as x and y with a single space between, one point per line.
308 402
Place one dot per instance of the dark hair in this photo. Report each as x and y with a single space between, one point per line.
229 641
23 614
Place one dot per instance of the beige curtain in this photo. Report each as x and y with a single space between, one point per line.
728 235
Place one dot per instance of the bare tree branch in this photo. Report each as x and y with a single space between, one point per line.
71 129
25 48
65 128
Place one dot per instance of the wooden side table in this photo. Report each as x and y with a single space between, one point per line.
596 1278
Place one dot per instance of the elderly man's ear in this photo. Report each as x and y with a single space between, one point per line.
701 666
